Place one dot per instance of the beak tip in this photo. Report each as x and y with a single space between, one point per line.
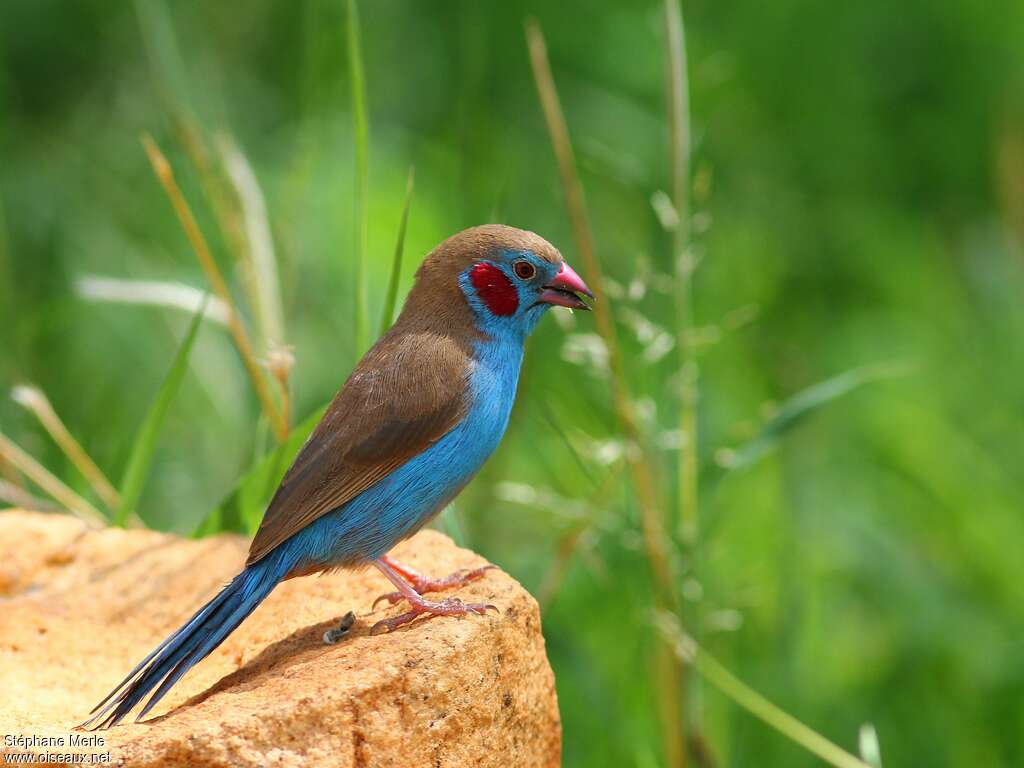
569 279
565 290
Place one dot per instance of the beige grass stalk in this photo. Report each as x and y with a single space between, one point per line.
39 475
157 293
214 183
260 259
669 674
18 497
36 401
9 473
260 265
280 360
164 173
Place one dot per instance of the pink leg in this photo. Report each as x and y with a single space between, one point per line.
423 584
451 606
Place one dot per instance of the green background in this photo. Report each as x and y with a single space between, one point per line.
861 168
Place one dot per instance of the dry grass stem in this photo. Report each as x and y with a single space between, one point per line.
18 497
165 175
36 401
280 360
157 293
9 472
261 262
669 676
42 477
215 185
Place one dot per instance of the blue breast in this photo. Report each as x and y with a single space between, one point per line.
400 504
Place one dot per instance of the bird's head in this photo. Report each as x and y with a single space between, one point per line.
508 278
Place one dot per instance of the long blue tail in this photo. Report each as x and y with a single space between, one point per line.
189 645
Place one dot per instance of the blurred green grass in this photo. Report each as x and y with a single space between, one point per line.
861 174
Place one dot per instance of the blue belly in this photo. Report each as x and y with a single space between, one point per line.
400 504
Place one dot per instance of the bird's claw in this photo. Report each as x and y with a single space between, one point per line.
391 597
423 584
451 606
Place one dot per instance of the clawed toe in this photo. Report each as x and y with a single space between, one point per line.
393 623
481 608
451 606
411 586
391 597
422 584
463 576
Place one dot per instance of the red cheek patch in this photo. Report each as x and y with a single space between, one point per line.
494 289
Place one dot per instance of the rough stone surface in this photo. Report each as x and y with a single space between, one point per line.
79 607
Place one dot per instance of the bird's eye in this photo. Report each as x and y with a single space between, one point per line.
524 270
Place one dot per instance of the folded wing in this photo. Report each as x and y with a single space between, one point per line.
405 394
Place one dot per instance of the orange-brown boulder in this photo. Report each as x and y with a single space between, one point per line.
79 607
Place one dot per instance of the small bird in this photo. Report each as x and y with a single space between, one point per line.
414 422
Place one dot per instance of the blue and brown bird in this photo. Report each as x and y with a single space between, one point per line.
414 422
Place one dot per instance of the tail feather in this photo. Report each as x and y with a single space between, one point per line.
229 625
190 644
175 638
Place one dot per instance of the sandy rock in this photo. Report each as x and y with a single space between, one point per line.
78 609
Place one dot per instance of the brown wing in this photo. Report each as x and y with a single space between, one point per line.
405 394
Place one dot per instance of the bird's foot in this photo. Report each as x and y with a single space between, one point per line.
450 606
411 583
423 584
331 636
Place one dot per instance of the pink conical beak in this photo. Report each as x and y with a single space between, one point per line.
563 290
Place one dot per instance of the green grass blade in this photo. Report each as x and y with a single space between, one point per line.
361 129
805 403
775 717
753 702
388 316
141 459
242 509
